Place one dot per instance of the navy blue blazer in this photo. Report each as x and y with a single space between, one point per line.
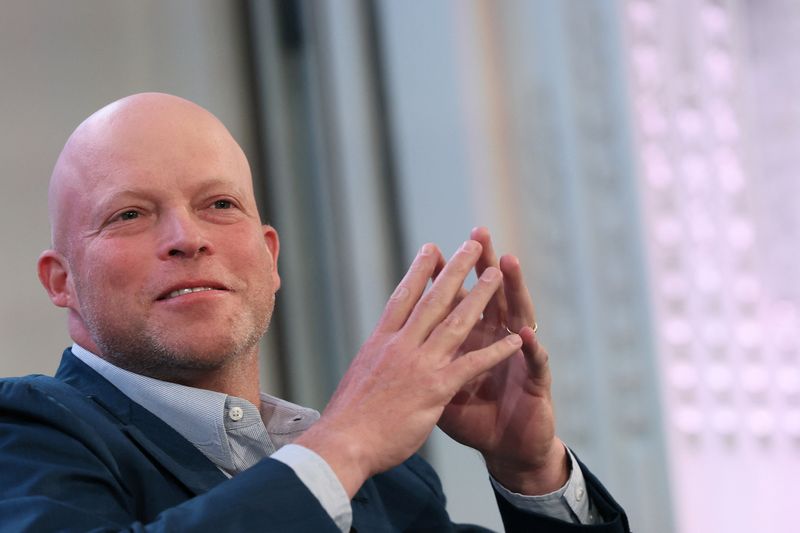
78 455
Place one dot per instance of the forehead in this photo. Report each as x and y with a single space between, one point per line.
150 137
147 148
168 140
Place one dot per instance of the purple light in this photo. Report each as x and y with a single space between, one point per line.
723 121
719 67
740 233
646 63
702 230
788 380
689 420
754 378
761 423
715 334
791 423
720 378
724 422
714 19
684 376
668 231
747 289
641 14
748 334
677 332
690 125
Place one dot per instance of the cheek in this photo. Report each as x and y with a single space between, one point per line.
109 273
252 249
260 264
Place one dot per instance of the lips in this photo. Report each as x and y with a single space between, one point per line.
190 287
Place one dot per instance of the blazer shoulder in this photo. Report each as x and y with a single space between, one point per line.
47 401
27 392
37 386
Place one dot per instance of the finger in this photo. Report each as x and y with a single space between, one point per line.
495 312
520 312
440 264
462 292
436 304
471 365
536 357
410 289
456 326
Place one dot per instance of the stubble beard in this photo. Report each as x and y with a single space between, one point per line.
153 350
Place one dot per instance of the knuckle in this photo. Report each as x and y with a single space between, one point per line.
433 301
454 323
418 266
393 346
423 262
469 364
400 293
543 356
462 268
440 387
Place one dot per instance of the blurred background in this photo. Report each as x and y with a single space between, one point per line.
639 156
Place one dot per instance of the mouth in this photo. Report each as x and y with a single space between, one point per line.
184 289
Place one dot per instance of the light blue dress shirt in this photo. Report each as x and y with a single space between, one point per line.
235 435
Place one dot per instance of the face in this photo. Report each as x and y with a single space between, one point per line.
167 268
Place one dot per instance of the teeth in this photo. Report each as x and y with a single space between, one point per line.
181 292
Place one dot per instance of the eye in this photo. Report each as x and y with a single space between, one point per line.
128 215
223 204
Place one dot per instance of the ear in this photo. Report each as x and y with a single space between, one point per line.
273 246
54 274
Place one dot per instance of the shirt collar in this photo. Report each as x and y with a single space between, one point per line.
196 414
200 415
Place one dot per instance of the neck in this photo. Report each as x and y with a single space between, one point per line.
239 377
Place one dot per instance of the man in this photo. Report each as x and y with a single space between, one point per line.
155 419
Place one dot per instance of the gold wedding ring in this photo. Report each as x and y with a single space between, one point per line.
535 328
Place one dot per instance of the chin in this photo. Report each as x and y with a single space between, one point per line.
173 359
204 355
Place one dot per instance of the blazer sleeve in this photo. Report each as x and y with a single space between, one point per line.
60 472
614 518
517 520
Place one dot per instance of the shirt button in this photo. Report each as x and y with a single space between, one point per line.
579 494
236 413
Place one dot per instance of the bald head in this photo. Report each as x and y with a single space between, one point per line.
145 125
159 253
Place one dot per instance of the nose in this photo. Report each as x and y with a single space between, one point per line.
182 236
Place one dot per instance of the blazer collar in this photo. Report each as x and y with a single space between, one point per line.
168 447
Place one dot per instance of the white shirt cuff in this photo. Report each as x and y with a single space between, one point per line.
319 478
570 503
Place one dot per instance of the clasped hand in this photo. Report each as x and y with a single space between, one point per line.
467 360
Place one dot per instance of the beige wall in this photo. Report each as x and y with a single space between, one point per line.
59 61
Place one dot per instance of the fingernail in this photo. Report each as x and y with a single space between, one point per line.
514 340
426 249
491 274
469 246
399 293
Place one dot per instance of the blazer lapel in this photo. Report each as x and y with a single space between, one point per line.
163 444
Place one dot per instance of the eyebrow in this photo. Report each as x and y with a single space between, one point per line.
212 183
116 195
148 194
